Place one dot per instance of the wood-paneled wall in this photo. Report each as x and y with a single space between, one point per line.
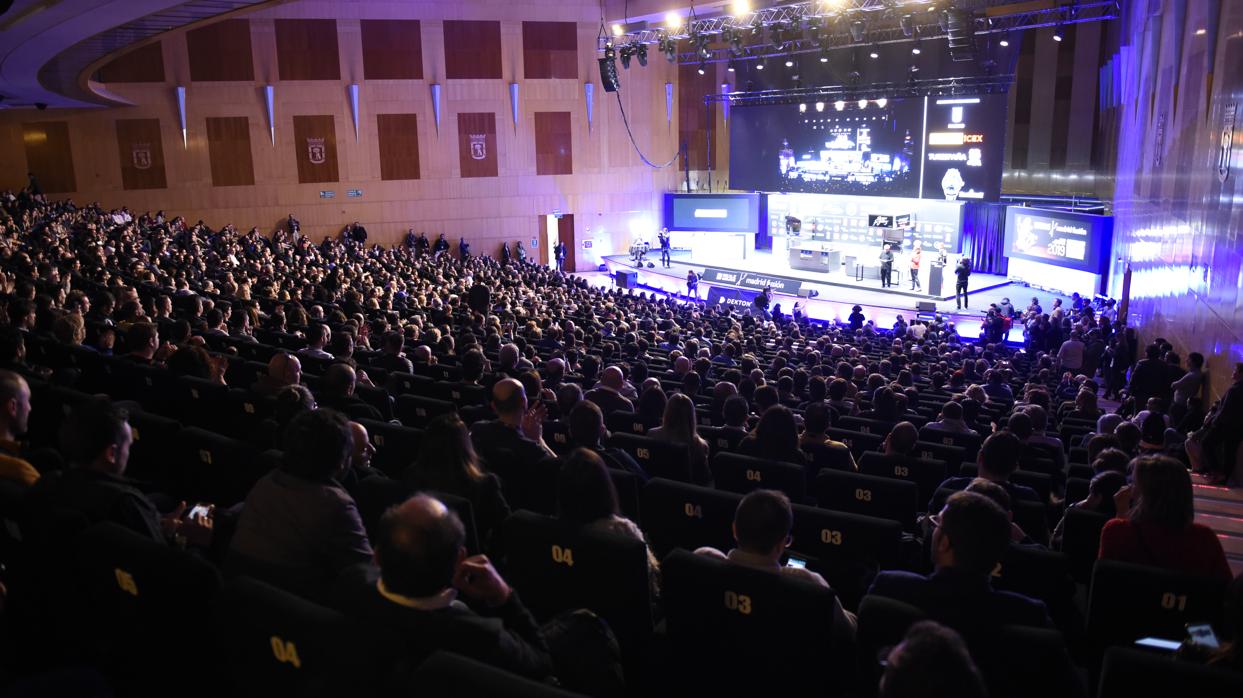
398 136
694 115
220 52
228 147
392 49
554 146
49 156
315 145
472 49
143 64
306 49
141 151
549 50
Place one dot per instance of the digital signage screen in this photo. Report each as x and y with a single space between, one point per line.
945 148
727 213
1072 240
963 148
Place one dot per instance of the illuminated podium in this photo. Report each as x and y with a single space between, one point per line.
935 274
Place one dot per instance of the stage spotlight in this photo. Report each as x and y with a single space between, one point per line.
641 54
915 50
1005 40
863 104
819 106
701 70
673 20
741 7
840 105
875 52
907 28
857 29
802 108
882 102
789 63
1057 34
617 30
759 65
730 67
625 52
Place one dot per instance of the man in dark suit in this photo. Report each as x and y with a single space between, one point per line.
336 392
997 460
586 424
392 358
607 393
428 595
969 537
517 433
963 272
886 266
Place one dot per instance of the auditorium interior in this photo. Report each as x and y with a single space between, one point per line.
852 348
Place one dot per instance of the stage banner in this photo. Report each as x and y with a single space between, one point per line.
748 279
731 297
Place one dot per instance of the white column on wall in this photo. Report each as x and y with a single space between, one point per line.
181 114
269 96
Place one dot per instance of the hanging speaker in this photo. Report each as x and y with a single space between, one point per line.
608 74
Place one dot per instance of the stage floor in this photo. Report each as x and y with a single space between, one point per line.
838 292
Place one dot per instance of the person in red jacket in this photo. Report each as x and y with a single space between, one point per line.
1155 523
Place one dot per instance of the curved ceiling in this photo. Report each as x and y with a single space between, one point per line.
46 45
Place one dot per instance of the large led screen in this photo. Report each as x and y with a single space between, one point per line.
1071 240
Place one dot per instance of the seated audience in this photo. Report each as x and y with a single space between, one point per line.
679 427
932 661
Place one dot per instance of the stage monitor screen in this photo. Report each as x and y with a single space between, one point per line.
944 148
816 148
1077 241
726 213
963 148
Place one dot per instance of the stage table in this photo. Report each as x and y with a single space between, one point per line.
815 257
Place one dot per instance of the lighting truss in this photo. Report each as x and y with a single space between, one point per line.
831 28
936 87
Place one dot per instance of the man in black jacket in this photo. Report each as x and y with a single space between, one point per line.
963 272
429 596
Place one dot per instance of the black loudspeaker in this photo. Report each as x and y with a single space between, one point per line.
651 265
626 279
805 293
608 74
926 307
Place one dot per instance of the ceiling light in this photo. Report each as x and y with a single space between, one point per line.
673 20
802 107
839 105
741 7
863 104
701 69
760 64
875 52
789 63
1004 41
819 106
824 59
882 102
617 30
730 67
1057 33
1201 32
915 49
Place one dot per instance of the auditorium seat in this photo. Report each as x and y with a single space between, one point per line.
408 384
740 631
1127 602
720 439
155 437
625 423
557 436
1081 541
858 441
274 643
969 443
418 411
821 456
951 455
558 567
396 446
677 514
846 549
735 472
215 468
148 609
926 474
657 458
880 497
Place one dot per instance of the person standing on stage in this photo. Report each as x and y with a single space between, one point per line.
941 259
886 266
917 254
664 247
558 252
963 272
692 284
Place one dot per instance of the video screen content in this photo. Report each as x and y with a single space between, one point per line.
1071 240
828 147
964 148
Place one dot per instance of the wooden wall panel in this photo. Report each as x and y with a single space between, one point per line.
392 49
694 116
220 52
228 146
472 49
144 64
306 49
549 50
554 147
49 157
399 145
476 134
141 151
315 146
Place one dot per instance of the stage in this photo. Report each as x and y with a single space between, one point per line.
838 292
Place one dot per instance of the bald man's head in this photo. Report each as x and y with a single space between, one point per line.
509 398
285 369
418 546
613 378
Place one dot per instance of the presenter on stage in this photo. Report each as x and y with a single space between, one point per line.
664 248
963 272
916 255
941 259
886 266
